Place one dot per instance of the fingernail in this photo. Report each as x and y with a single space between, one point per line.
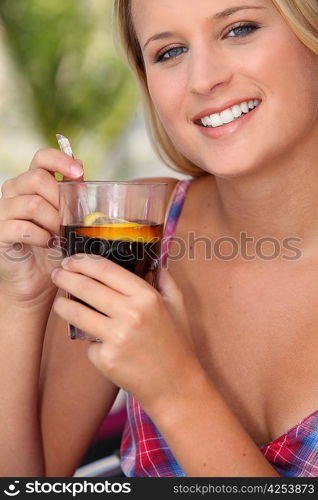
76 170
65 262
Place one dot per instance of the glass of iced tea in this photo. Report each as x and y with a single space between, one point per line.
121 221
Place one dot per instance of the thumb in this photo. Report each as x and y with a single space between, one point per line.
174 300
171 293
167 286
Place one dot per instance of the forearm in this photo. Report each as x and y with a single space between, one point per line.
21 341
206 438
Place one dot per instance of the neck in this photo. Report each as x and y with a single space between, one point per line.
279 201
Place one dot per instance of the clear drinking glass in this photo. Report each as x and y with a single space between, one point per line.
121 221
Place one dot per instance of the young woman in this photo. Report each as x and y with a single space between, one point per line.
220 362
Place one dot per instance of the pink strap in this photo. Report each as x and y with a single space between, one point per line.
174 212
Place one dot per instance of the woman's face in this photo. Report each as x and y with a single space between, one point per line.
210 61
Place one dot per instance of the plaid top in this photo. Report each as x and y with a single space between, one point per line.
295 453
144 452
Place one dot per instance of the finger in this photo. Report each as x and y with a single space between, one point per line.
107 272
81 178
82 317
13 231
54 160
37 181
33 208
94 354
95 294
171 295
167 286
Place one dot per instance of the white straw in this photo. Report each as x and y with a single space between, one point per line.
65 146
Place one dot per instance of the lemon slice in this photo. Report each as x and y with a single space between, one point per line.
100 219
113 225
97 225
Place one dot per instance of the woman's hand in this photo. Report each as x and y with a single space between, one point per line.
145 347
29 221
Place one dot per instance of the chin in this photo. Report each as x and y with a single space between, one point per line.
232 168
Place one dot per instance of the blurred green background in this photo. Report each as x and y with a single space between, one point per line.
59 73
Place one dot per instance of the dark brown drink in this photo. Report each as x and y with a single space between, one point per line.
132 245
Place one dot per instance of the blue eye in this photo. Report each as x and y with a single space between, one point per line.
172 53
242 30
239 31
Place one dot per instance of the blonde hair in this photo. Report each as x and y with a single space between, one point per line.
300 15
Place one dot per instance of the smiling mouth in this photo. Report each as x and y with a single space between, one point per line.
228 115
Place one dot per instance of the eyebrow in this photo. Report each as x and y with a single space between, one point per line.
220 15
232 10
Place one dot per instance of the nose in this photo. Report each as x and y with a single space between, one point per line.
208 70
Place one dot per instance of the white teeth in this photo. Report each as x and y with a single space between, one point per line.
244 107
204 121
236 110
251 104
229 115
217 120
